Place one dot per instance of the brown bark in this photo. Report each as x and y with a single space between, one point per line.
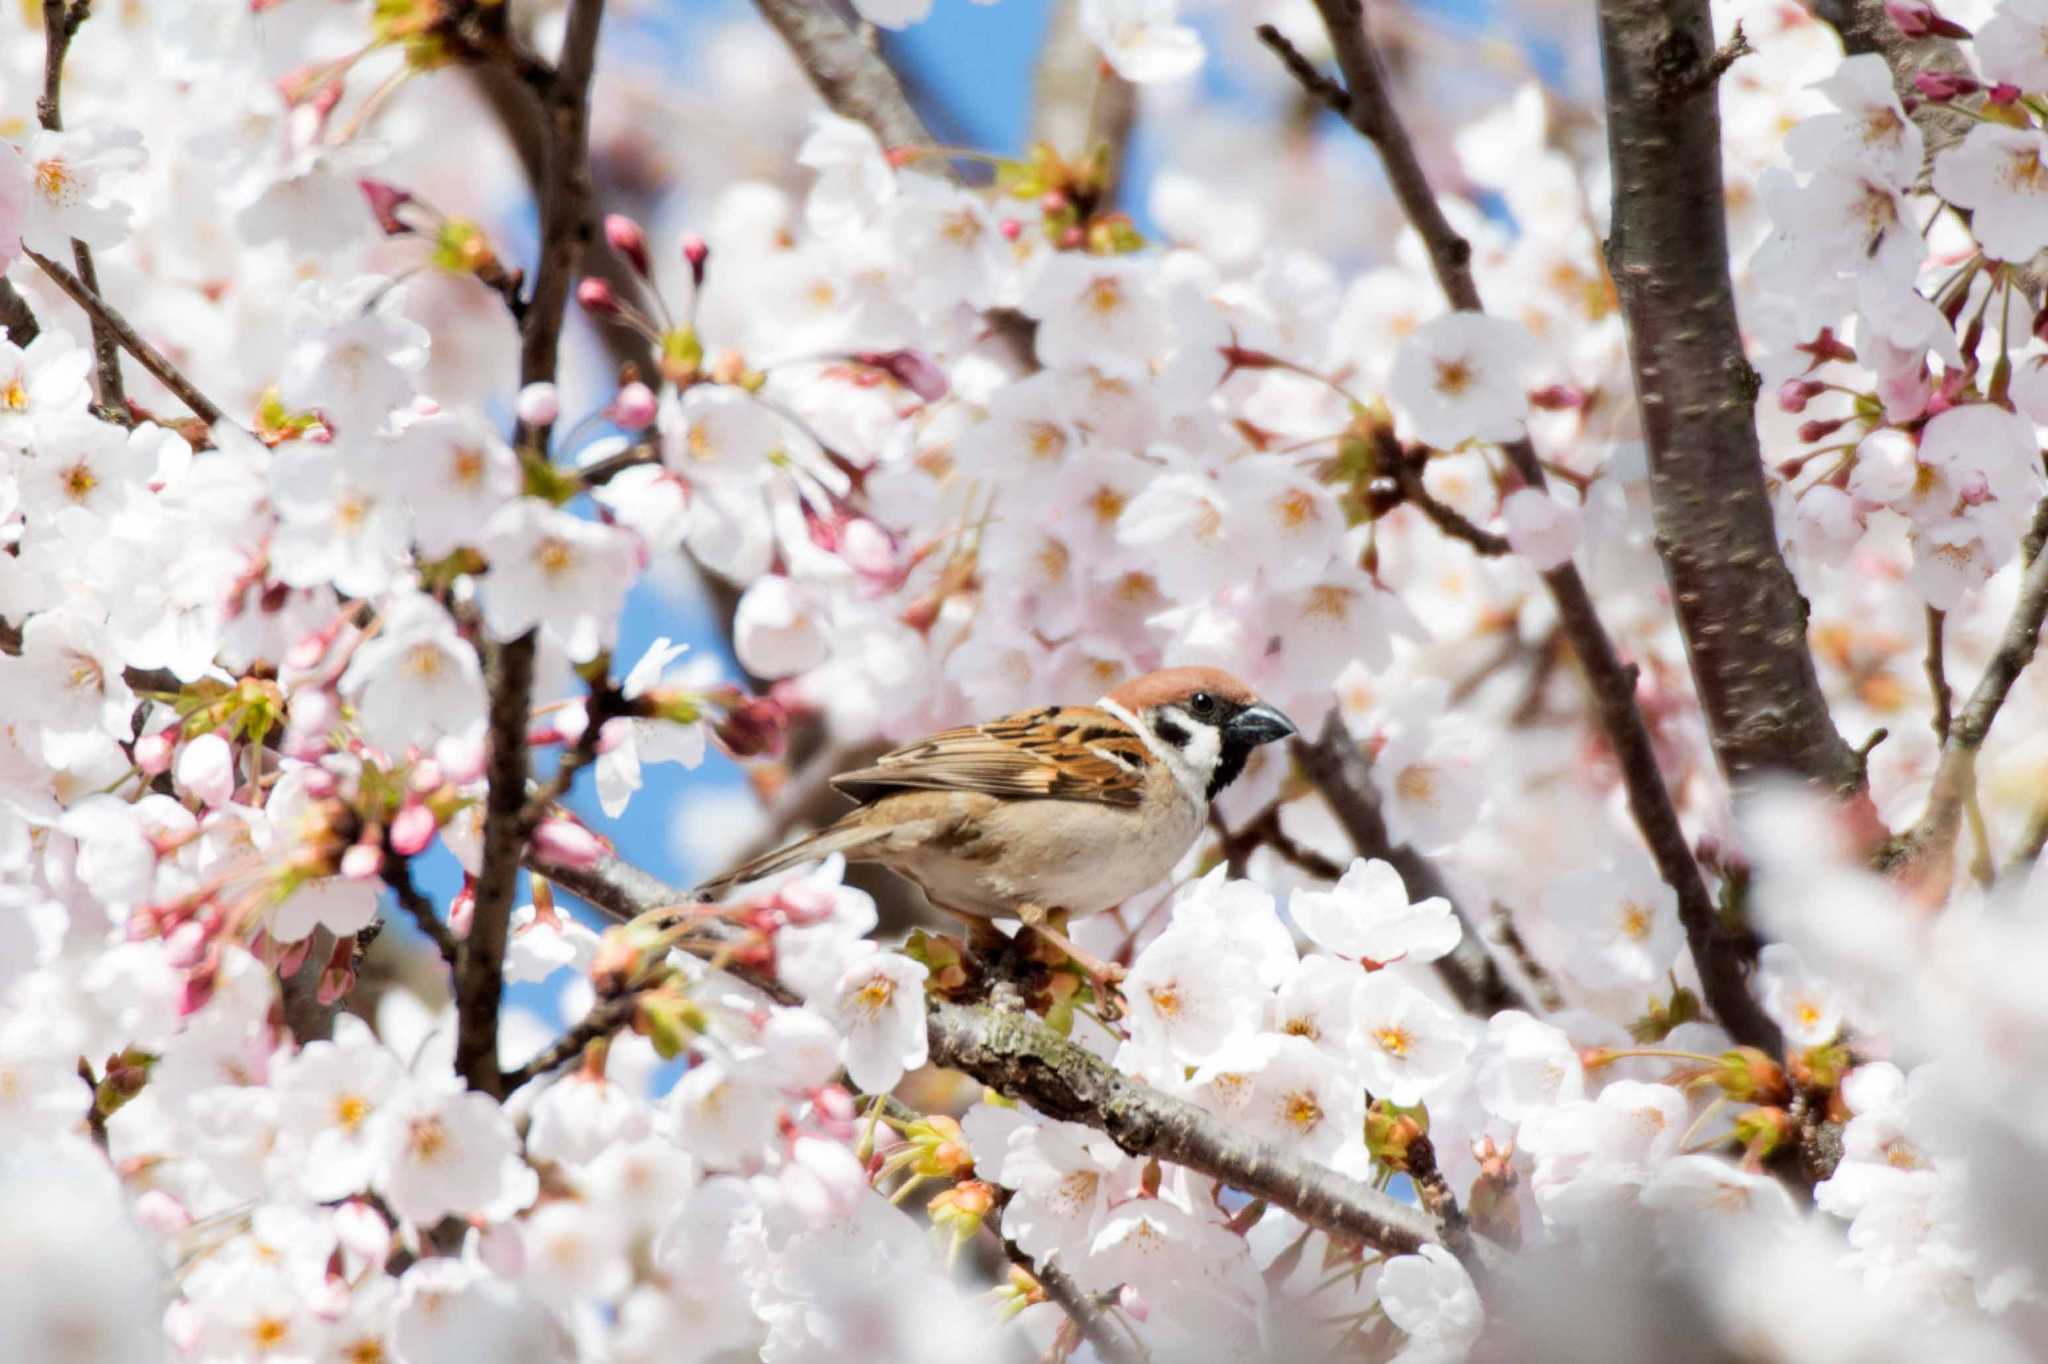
1741 613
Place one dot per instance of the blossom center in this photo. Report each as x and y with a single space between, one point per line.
79 481
1166 999
55 182
14 397
469 466
1453 376
1394 1041
2024 173
1296 508
1635 921
1046 440
427 1140
350 1110
364 1352
554 556
1301 1025
269 1332
424 661
874 996
1417 783
1104 295
1330 602
1302 1111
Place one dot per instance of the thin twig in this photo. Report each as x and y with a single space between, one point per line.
566 226
1091 1317
60 23
398 876
1264 831
1937 675
116 326
1510 937
1337 767
1447 518
1722 964
604 704
601 1020
1955 777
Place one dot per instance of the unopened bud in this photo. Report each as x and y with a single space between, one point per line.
385 201
2002 94
462 909
624 236
153 752
1942 86
1812 431
362 862
912 369
595 296
695 252
538 404
567 844
634 408
1748 1075
1794 394
1011 229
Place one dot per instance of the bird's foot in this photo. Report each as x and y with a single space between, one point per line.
1103 976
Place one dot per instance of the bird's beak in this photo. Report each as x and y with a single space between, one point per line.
1260 724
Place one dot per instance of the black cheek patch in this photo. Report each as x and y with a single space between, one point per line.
1171 732
1230 761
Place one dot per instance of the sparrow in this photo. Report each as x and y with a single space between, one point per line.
1048 813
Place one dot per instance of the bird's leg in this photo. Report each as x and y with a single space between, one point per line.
1051 926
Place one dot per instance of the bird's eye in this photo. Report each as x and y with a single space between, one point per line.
1202 704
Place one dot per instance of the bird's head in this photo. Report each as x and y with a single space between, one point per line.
1202 721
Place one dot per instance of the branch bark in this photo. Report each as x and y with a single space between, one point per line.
60 23
1721 955
1089 1316
103 316
1342 773
1741 614
17 316
848 75
1017 1054
1934 835
566 228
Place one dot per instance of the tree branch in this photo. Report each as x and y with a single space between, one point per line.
1017 1054
1739 609
60 23
1087 1313
848 75
16 315
1722 962
602 1019
1937 675
104 318
566 228
398 876
1341 771
1956 774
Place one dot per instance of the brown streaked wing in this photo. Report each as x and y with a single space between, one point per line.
1054 752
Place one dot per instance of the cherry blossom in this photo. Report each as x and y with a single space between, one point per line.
1367 915
2001 175
1458 378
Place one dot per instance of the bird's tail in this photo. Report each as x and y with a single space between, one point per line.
841 837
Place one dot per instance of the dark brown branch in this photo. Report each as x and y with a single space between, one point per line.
60 23
398 876
1721 956
104 318
480 976
1017 1054
1444 516
1091 1317
1937 675
603 1019
1340 770
1740 611
1318 86
566 228
16 316
1265 832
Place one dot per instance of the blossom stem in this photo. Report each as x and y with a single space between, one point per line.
1087 1312
82 292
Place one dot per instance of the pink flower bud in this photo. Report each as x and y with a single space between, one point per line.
596 297
462 909
153 751
1812 431
1942 86
185 946
696 252
567 843
1011 229
1133 1302
1917 19
321 783
2001 94
425 778
206 768
385 201
1053 201
160 1213
362 862
624 236
412 830
538 404
834 1104
335 983
293 955
911 369
1794 394
805 904
1558 398
362 1231
634 408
